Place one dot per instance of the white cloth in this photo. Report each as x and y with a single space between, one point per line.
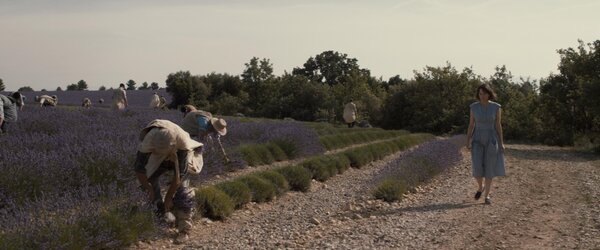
48 99
155 102
350 112
119 96
163 139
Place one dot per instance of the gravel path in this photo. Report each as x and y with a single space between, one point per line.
549 200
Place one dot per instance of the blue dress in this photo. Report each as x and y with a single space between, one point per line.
486 155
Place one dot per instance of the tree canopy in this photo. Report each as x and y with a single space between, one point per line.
25 89
330 67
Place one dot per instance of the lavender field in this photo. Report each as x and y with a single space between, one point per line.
67 177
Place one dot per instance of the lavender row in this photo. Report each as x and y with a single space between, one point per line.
420 164
135 98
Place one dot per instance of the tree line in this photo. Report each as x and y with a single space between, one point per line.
561 109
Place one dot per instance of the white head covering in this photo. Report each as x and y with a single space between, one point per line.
162 138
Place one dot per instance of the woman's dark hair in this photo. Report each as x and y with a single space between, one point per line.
18 98
122 85
487 89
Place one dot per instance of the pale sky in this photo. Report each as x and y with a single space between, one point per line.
51 43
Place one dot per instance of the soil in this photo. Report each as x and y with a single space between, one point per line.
549 199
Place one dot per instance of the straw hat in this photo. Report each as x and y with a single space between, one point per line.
220 125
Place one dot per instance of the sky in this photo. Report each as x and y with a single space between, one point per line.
52 43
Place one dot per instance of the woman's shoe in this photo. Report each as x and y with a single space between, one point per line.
478 195
488 200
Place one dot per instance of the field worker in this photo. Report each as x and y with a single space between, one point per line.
162 103
46 100
203 125
166 149
155 101
23 98
350 113
8 110
86 103
101 100
119 98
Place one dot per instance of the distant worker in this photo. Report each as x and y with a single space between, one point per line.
155 101
163 103
164 148
47 101
101 101
203 125
119 98
23 98
8 110
86 103
350 114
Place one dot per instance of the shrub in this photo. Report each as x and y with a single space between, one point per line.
276 152
277 179
359 157
298 177
262 190
390 190
250 155
342 163
258 154
214 203
318 168
289 147
264 154
238 191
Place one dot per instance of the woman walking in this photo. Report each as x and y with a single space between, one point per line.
485 140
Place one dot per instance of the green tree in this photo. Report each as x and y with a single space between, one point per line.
330 67
396 80
297 97
226 94
569 104
518 103
72 87
227 104
1 85
222 84
154 86
258 82
437 101
187 89
25 89
102 88
82 85
131 84
59 88
144 86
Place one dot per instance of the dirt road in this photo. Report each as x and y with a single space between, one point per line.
550 199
